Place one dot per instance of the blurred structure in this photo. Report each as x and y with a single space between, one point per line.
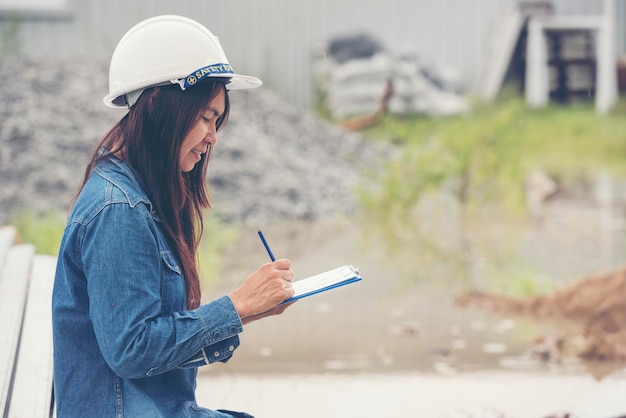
553 51
557 52
274 39
359 79
554 64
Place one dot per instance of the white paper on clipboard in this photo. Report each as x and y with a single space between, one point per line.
323 282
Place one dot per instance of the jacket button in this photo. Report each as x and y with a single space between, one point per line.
216 354
231 348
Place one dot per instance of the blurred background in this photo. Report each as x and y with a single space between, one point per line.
467 157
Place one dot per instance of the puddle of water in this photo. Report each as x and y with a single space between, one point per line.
378 325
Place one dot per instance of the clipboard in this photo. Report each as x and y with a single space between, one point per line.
325 281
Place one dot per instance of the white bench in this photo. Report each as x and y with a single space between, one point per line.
26 281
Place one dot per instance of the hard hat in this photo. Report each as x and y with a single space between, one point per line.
167 50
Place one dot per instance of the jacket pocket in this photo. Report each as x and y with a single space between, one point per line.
173 284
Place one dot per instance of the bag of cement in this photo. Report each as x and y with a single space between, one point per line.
354 46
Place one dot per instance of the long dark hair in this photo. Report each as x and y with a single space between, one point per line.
149 138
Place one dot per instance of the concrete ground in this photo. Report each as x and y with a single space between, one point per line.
487 394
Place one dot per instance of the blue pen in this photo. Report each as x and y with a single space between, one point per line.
267 247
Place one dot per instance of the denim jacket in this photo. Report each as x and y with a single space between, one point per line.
124 343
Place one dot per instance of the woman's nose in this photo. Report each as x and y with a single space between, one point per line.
211 136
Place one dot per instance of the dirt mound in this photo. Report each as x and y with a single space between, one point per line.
596 305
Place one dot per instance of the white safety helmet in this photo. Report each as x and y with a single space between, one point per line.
167 50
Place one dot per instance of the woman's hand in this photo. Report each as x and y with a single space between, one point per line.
262 291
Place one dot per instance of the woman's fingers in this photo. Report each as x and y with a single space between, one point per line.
264 289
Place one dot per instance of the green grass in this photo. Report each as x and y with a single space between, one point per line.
481 160
43 231
494 148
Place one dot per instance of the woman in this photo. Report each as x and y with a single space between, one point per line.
129 328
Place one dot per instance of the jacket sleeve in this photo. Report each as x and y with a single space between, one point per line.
122 262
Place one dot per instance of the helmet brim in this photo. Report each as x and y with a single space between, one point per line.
241 82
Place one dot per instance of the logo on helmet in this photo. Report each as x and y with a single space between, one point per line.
216 70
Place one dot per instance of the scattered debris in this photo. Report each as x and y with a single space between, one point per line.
538 188
406 329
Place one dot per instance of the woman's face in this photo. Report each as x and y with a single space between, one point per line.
203 134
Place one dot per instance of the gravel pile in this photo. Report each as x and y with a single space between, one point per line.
272 162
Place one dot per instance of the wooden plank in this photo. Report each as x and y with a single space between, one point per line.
13 291
8 236
32 386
